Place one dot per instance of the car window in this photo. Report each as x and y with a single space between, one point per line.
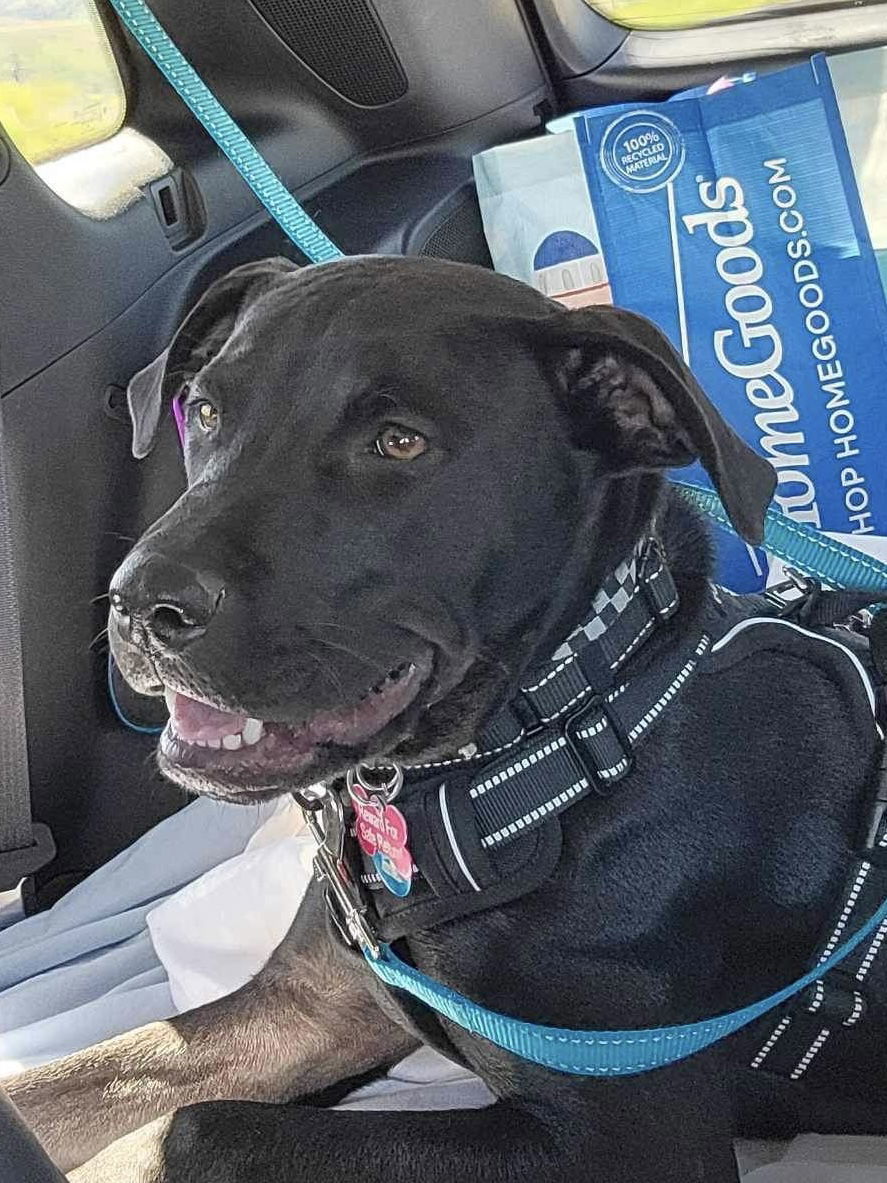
683 14
60 88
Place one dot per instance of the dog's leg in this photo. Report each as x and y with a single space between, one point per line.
304 1022
655 1129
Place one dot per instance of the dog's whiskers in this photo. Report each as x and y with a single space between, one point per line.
328 671
346 628
374 665
98 637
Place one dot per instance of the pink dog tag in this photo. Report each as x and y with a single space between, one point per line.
382 834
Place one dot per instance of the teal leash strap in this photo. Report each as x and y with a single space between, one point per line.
258 174
801 546
597 1053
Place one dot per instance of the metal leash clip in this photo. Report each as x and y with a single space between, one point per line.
325 818
789 596
381 781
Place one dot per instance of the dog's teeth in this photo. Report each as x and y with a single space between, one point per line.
214 743
170 696
201 743
252 731
232 742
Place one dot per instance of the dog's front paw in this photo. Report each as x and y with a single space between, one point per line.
144 1156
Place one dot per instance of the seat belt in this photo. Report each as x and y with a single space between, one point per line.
24 845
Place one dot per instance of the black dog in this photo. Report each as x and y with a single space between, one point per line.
407 482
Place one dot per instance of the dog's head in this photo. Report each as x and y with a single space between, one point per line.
401 475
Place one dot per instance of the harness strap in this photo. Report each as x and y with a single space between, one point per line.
482 838
591 752
835 1003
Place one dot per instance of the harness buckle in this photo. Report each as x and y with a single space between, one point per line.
325 818
605 753
791 596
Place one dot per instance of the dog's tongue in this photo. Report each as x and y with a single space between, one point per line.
195 721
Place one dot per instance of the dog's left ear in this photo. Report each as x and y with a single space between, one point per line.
198 338
630 398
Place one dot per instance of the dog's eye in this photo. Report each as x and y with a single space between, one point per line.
207 416
400 443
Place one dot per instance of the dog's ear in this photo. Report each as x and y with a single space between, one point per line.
630 397
144 394
198 338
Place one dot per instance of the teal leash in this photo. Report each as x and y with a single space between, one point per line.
597 1053
302 230
801 546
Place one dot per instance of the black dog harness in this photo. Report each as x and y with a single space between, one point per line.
479 824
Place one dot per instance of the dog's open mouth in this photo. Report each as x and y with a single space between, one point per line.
203 737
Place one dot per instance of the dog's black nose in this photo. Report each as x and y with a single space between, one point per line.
163 601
